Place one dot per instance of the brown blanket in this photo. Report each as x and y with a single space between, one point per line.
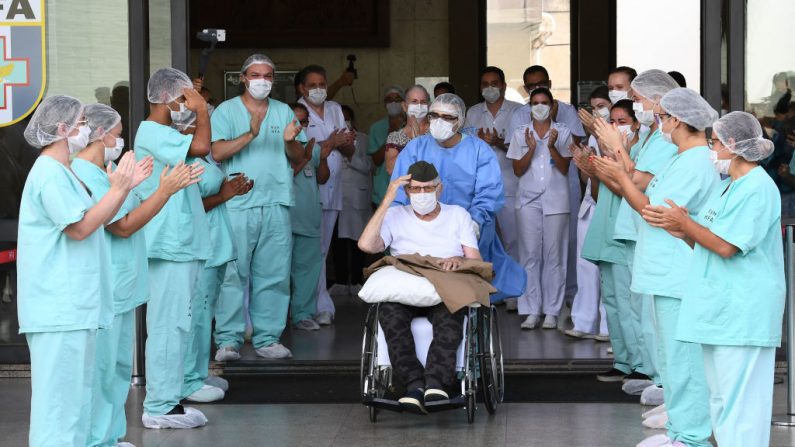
468 284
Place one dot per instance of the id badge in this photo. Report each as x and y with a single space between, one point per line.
308 172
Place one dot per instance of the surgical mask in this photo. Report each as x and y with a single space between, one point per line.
540 112
604 112
667 136
316 96
617 95
645 117
112 153
348 124
441 130
259 88
180 116
393 108
628 129
79 142
490 94
722 166
423 202
418 111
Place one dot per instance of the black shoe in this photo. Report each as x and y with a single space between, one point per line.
435 395
613 375
636 376
413 401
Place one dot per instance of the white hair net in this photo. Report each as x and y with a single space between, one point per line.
394 89
450 104
257 58
166 85
741 133
42 130
689 107
653 84
100 119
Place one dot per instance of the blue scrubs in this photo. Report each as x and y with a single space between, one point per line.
260 226
60 315
734 306
471 177
114 346
178 244
197 356
661 266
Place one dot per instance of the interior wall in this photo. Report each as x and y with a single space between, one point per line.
418 47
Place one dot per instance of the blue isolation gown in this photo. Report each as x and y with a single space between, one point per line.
471 178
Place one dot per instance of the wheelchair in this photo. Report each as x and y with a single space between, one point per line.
479 364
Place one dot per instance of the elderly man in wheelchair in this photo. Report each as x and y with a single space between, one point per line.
441 238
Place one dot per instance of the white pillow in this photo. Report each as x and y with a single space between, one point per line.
395 286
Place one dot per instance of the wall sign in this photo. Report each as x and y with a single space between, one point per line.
22 58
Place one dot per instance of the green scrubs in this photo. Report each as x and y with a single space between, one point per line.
178 243
660 269
60 315
378 133
260 223
114 345
305 216
197 356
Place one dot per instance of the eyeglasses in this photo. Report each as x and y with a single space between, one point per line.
434 115
424 188
710 142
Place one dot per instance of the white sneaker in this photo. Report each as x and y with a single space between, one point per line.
206 393
218 382
125 444
307 325
550 322
652 395
531 322
191 418
324 318
226 354
655 441
511 304
602 337
577 334
274 351
636 387
656 410
657 421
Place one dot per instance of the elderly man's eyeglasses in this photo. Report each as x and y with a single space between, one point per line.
424 188
434 115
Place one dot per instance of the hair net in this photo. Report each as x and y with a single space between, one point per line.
100 119
257 59
42 130
653 84
451 104
394 89
744 129
166 85
689 107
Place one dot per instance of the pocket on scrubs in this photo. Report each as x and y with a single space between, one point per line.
85 302
660 257
185 222
714 302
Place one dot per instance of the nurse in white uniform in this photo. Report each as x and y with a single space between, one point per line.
491 119
541 157
327 127
734 301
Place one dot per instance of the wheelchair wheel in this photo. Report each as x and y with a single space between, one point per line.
368 366
471 361
490 358
470 406
373 414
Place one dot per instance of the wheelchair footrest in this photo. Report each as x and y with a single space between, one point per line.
442 405
383 404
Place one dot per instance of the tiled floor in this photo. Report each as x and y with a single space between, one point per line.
346 425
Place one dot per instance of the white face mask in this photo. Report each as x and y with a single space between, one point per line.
112 153
393 108
627 128
423 202
259 88
667 136
645 117
418 111
540 112
79 142
617 95
180 116
604 112
441 130
722 166
491 94
316 96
